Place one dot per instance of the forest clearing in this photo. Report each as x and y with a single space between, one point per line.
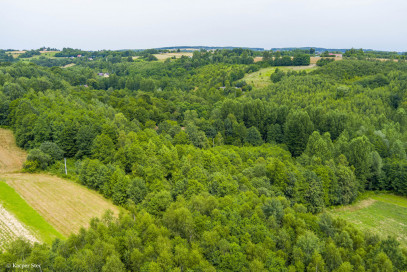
261 78
383 214
164 56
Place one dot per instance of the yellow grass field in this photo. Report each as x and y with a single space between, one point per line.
314 60
11 157
261 78
165 56
66 205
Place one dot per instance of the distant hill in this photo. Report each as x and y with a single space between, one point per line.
207 48
317 49
321 49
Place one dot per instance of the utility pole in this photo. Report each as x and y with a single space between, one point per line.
66 170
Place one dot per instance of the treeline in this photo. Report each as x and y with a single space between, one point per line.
4 57
361 54
286 60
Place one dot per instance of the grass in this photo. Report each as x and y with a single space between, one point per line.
383 214
11 157
165 56
14 204
261 78
66 205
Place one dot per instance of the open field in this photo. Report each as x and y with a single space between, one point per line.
68 65
15 54
11 228
48 54
261 78
165 56
17 218
11 157
64 204
383 214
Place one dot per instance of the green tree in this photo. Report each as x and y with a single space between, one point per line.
297 130
253 137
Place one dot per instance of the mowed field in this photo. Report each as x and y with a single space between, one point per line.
11 157
383 214
178 55
65 205
18 219
261 78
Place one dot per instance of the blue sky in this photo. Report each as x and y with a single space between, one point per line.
122 24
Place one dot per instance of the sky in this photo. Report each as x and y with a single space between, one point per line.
135 24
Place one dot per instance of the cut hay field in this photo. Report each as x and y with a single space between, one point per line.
383 214
17 219
261 78
65 205
313 60
178 55
11 157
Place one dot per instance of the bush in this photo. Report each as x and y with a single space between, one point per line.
53 150
37 159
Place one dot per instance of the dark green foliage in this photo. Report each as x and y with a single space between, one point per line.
277 75
53 150
324 61
297 130
37 159
301 60
137 190
253 136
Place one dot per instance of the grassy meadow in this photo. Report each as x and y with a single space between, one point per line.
383 214
261 78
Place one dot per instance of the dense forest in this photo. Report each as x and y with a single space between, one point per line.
215 175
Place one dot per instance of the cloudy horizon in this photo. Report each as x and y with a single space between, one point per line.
97 25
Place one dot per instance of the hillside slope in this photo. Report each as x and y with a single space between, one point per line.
67 206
